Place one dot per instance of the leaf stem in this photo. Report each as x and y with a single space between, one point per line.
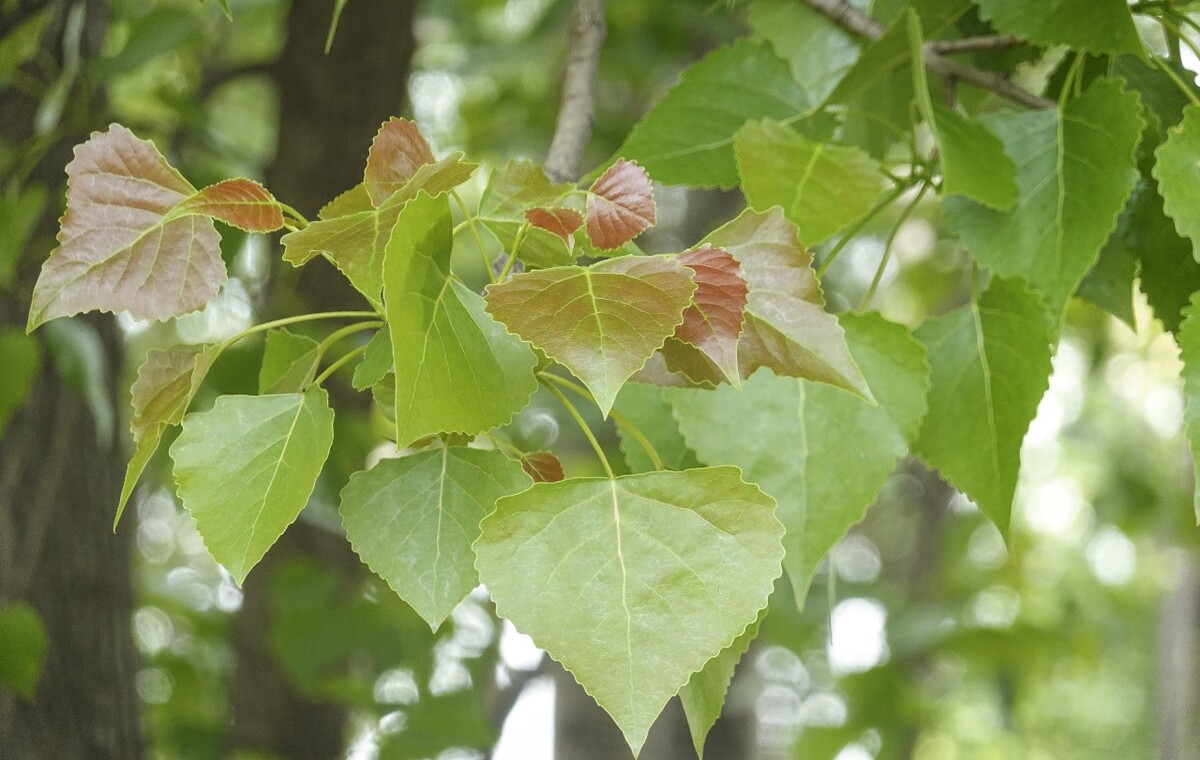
505 445
887 247
1182 85
291 321
618 418
858 227
512 255
337 335
469 220
341 362
293 213
587 431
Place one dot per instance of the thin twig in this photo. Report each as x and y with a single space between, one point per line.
577 110
975 44
853 20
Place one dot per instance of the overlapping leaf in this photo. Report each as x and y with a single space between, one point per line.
620 205
396 153
633 583
1189 352
246 467
821 452
704 347
991 365
601 322
704 695
413 520
787 328
646 408
542 466
821 187
516 187
376 361
561 221
1074 173
289 362
1097 26
1177 169
687 138
457 369
243 203
820 52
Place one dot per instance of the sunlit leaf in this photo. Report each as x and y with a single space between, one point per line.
1177 169
243 203
413 520
633 583
601 322
246 467
704 347
1097 26
620 205
704 695
289 362
397 152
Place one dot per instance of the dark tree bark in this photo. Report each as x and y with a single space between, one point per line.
330 108
59 483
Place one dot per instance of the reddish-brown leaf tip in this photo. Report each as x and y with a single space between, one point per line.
542 466
713 322
620 205
558 220
397 151
241 202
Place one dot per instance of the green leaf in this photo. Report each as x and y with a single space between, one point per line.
687 138
24 651
1109 284
1177 169
646 408
1097 26
991 365
413 520
21 359
819 52
20 213
601 322
877 62
1074 174
787 328
1189 352
704 695
821 452
633 583
821 187
1169 272
457 369
246 467
289 362
376 361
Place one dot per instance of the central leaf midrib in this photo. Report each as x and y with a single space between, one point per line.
271 483
624 594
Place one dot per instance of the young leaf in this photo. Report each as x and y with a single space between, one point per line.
645 407
120 247
1097 26
397 152
542 466
704 347
991 365
376 361
704 695
601 322
517 186
413 520
246 467
557 220
687 138
1074 173
289 362
457 369
1189 352
633 583
821 452
243 203
1177 169
787 328
620 205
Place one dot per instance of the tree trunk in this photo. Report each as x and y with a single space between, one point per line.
1179 666
59 484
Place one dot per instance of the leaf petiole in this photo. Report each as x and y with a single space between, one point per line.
859 225
294 214
341 362
512 256
337 335
587 431
619 418
291 321
469 220
887 247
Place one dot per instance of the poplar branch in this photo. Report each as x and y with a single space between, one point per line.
576 112
852 20
975 44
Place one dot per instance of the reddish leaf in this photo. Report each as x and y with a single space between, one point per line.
243 203
121 248
542 466
397 151
620 205
558 220
704 347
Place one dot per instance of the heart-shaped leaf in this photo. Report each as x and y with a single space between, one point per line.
633 583
397 152
704 347
620 205
601 322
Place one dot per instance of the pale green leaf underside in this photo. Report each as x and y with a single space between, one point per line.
703 697
1073 176
991 365
821 452
246 467
633 583
413 520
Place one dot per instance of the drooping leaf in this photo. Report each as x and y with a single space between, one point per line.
412 520
601 322
687 138
376 361
1097 26
633 583
558 220
620 205
21 359
787 328
1189 352
243 203
703 697
24 650
120 247
704 347
355 241
457 369
991 365
397 152
289 362
1169 273
821 452
1177 170
645 407
542 466
1074 174
246 467
821 187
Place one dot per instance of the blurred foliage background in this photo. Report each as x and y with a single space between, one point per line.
924 636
